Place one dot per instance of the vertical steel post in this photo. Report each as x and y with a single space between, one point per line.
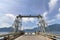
41 23
20 24
16 23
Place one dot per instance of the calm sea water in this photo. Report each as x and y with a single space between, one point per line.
2 34
58 38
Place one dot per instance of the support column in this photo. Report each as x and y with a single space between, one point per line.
20 24
41 23
16 23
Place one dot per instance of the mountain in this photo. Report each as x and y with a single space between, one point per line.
54 27
32 30
50 28
6 29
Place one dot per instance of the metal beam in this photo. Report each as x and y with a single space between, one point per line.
30 16
18 21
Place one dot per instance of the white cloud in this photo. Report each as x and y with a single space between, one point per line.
25 19
4 25
59 9
24 27
32 19
58 16
45 15
28 19
6 20
52 4
50 21
11 16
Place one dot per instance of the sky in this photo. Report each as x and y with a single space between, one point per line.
9 9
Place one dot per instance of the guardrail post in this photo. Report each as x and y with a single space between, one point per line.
8 37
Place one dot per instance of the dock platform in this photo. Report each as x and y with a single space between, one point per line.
32 37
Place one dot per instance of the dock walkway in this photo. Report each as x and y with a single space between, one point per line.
32 37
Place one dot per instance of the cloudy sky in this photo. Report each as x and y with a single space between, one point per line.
9 9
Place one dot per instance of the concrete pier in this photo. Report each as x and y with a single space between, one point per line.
32 37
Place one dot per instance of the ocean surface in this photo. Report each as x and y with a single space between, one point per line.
4 32
58 37
1 33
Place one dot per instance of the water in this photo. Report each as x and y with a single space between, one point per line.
58 38
1 33
4 32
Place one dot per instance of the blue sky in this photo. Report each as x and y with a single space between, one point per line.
9 9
